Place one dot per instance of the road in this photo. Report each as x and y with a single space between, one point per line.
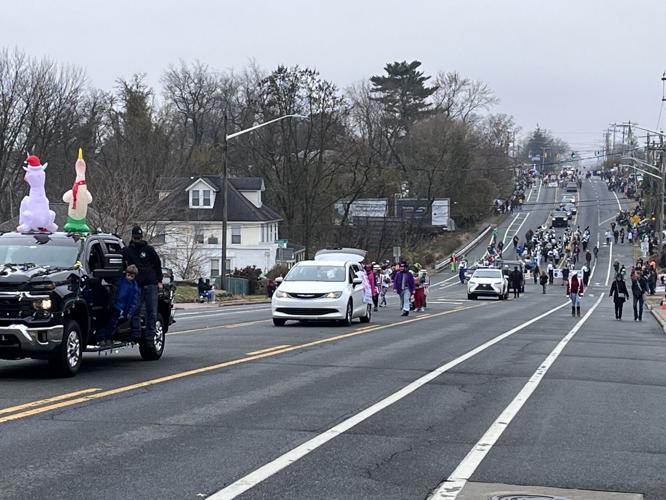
465 400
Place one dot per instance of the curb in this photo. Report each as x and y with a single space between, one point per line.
655 312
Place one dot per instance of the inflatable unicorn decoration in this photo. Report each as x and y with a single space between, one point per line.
35 214
78 198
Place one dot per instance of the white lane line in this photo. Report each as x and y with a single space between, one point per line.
619 205
607 220
539 191
225 309
264 472
509 228
450 488
216 315
610 263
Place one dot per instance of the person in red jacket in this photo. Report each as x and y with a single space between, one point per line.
575 292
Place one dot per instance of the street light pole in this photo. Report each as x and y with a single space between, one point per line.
225 183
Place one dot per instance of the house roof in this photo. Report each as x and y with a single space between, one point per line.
240 209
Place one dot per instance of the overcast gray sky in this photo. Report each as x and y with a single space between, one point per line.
571 66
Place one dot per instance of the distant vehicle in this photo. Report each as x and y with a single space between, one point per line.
489 283
570 208
568 198
326 288
572 187
559 218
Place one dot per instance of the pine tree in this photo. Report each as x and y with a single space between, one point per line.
402 92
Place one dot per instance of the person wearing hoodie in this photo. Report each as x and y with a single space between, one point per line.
405 287
638 288
149 280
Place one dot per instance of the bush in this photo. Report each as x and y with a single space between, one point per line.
278 270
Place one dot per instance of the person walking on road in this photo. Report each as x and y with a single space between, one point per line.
595 251
543 279
404 287
551 273
619 294
565 274
575 290
516 280
586 275
461 271
149 280
638 289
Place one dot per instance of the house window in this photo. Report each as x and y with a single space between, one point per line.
212 240
198 236
195 197
235 235
214 268
206 198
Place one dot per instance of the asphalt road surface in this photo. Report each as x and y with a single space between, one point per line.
463 401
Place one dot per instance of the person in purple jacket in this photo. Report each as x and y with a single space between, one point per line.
404 286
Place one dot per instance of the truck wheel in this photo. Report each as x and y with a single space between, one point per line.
152 351
66 359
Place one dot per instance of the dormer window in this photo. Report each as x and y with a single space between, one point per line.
201 194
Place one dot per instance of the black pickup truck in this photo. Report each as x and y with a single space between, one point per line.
55 293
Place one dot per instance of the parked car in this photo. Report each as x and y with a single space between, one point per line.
488 282
326 288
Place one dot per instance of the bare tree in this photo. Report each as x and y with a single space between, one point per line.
460 97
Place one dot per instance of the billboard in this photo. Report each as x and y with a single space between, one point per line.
440 212
369 207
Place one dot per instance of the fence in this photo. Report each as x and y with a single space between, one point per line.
235 286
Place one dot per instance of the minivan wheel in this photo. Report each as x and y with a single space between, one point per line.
368 314
66 359
349 314
279 322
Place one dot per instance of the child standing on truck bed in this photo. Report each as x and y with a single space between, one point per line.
125 303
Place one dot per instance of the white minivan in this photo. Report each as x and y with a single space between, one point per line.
327 288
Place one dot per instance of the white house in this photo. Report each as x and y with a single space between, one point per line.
189 235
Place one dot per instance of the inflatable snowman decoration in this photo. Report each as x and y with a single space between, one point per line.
78 198
35 214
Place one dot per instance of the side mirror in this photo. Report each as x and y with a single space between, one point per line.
107 273
357 281
113 261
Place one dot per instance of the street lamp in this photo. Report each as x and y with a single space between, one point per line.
225 182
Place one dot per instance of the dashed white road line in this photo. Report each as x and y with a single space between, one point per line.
262 473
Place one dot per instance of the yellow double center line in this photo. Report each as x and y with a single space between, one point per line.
92 394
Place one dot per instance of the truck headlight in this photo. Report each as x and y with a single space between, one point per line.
42 305
281 295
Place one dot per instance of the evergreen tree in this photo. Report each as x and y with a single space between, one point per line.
402 92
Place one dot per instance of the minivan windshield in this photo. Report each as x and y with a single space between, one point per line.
38 251
317 273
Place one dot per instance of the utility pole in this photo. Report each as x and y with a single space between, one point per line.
225 205
660 223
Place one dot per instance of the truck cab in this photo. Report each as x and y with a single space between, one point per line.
56 291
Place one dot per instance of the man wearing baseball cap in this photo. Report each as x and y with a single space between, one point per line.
149 279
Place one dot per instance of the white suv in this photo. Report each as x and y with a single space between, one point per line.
322 289
488 282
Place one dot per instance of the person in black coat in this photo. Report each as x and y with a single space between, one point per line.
619 293
149 279
516 280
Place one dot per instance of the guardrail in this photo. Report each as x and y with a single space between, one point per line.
465 248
